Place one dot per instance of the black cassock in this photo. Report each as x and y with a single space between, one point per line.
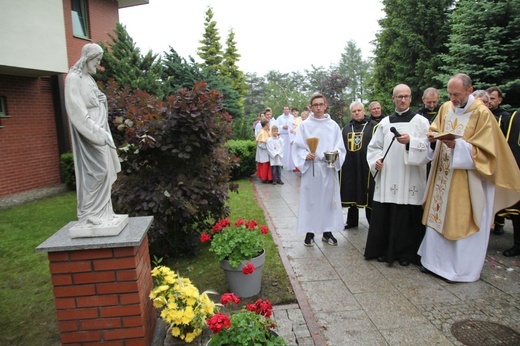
355 179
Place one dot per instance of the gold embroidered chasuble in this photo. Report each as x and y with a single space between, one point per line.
455 199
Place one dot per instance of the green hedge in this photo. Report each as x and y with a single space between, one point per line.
67 170
245 152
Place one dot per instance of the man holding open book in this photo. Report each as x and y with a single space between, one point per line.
473 175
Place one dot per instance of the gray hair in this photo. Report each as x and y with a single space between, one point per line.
480 93
356 103
373 103
464 78
429 91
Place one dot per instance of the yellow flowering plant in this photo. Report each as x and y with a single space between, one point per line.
181 306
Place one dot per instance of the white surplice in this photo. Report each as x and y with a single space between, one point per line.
275 147
404 171
281 121
320 202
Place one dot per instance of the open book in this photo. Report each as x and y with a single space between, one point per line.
446 135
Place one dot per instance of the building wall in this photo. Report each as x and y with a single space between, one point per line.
28 143
35 30
103 16
29 152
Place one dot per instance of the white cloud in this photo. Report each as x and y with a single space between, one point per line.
282 35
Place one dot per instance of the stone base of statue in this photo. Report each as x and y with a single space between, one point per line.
107 228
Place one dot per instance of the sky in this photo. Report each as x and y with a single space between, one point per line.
280 35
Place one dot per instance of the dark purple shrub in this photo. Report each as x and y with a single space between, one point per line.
175 163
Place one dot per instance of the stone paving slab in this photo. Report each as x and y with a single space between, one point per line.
358 302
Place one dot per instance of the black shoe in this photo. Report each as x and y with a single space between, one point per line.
381 259
512 252
499 230
404 262
424 270
329 239
280 182
349 226
274 182
309 239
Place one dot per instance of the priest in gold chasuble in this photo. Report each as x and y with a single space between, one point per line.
473 175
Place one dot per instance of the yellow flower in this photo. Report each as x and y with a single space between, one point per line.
180 303
188 315
155 271
191 336
176 331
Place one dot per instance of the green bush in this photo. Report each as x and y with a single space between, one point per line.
243 128
67 170
245 161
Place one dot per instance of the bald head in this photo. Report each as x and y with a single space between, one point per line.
402 97
459 89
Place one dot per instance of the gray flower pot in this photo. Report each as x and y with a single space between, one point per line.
242 285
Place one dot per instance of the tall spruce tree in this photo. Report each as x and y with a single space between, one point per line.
485 44
179 73
408 47
125 63
211 50
230 68
356 69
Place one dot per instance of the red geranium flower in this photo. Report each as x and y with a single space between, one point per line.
251 224
218 322
249 268
261 307
204 237
264 230
217 228
239 222
229 297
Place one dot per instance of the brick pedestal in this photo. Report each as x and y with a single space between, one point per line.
101 286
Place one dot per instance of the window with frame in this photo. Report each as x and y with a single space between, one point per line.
80 18
3 110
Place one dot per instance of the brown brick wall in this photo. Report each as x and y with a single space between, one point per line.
103 15
28 144
101 295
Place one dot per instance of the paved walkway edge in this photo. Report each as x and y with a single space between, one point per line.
308 315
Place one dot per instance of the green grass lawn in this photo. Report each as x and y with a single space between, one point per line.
26 301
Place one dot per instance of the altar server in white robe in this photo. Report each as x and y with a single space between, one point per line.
395 231
285 124
473 175
319 208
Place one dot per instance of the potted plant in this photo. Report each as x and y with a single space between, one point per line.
246 327
240 249
181 306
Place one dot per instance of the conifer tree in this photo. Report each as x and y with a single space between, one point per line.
211 50
408 47
356 69
486 46
230 68
125 63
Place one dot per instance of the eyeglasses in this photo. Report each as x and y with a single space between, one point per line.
403 97
318 105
